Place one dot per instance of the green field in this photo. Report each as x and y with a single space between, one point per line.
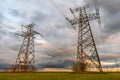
59 76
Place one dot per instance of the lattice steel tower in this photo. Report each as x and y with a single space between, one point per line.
87 53
25 59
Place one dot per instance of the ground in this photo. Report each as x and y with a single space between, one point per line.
59 76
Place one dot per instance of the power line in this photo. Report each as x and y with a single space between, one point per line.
74 2
9 20
9 23
54 4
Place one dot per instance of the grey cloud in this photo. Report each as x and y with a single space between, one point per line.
55 58
14 12
2 33
110 57
113 27
110 15
63 64
4 66
15 47
38 17
112 7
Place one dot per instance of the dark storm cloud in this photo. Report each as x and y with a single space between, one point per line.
3 64
110 15
110 57
111 6
113 27
111 9
55 58
60 64
57 53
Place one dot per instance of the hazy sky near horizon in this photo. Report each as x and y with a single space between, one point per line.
60 47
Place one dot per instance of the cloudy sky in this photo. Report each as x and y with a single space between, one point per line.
59 50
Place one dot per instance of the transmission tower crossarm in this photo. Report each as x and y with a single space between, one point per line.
92 16
72 12
22 35
79 9
96 6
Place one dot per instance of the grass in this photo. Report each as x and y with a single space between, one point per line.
59 76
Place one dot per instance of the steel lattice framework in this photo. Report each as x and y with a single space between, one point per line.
86 47
25 59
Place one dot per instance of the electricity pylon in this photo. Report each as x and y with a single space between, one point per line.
25 58
87 54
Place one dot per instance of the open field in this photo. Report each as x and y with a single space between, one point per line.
59 76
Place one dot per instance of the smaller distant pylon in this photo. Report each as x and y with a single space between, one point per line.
25 58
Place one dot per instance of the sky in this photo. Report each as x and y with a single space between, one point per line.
58 50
